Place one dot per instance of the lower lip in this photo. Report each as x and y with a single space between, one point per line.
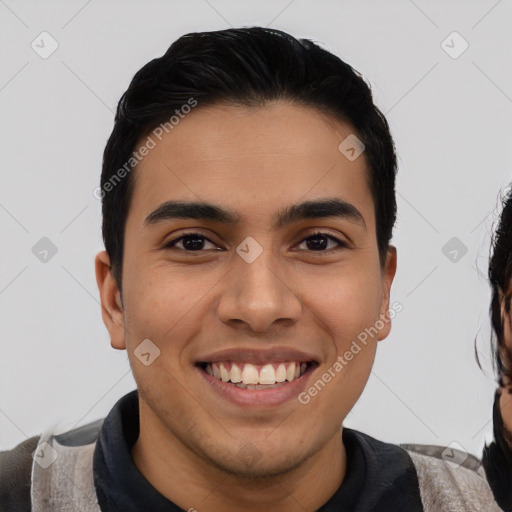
259 397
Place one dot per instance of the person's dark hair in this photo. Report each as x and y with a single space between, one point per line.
247 67
500 278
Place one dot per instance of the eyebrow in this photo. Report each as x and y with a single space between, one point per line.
322 208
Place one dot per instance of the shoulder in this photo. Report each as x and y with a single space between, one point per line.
15 471
447 475
80 436
16 465
447 478
448 454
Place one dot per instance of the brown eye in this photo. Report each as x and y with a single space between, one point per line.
319 242
191 242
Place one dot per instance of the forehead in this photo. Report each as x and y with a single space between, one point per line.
252 158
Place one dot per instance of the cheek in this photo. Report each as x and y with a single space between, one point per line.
168 313
347 306
507 330
163 309
506 409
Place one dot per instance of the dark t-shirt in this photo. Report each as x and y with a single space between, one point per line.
497 461
379 476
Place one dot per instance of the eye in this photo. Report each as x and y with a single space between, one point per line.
190 242
318 241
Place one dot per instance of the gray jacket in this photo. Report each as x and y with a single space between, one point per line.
53 473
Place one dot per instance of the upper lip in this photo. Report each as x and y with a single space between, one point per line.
257 356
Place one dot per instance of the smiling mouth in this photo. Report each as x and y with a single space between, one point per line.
252 376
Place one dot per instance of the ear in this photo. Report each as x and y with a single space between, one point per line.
111 304
388 274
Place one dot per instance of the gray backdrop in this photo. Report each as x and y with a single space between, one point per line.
442 73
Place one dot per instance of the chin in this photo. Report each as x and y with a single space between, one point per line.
253 464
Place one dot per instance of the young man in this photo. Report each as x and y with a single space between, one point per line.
248 205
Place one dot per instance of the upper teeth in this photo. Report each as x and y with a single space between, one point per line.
248 373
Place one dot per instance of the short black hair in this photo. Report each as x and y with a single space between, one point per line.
500 278
249 67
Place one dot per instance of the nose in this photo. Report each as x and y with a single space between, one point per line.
258 295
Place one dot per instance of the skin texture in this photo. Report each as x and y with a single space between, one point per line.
255 161
506 392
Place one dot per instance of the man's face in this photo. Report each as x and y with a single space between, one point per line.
254 293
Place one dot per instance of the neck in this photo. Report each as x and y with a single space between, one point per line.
193 483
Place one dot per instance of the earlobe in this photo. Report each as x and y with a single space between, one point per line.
111 304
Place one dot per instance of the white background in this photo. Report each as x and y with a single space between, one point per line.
451 120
